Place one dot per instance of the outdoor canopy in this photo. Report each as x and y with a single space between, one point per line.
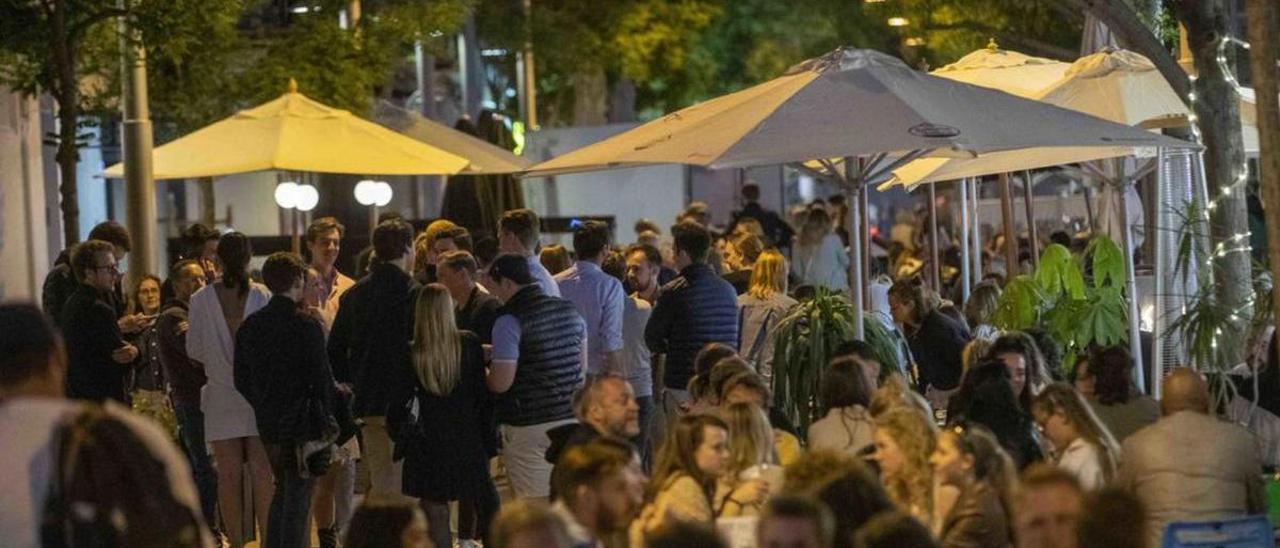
486 158
296 133
848 103
1115 85
1008 71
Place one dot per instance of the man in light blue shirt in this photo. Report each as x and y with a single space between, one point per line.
518 233
598 297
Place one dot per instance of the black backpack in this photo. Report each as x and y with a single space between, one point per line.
110 490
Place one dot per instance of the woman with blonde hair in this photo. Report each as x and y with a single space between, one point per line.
752 457
820 259
980 310
761 308
904 440
1082 445
442 426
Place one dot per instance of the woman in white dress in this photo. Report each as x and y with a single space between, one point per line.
229 424
820 259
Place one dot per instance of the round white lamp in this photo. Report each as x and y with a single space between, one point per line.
367 192
287 194
383 196
306 197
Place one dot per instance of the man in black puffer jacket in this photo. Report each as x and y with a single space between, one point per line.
695 309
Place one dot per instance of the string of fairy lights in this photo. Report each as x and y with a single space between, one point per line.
1238 242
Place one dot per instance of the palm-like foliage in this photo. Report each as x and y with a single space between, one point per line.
803 345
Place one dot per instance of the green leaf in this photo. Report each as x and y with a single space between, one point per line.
1108 262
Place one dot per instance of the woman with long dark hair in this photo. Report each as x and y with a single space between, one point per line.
444 445
1082 445
229 424
1121 409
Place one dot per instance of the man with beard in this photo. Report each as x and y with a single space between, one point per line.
601 489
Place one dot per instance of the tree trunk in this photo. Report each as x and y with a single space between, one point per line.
622 101
590 94
1218 109
1262 28
67 94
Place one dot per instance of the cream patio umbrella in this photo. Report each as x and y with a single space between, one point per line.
848 103
1114 84
1008 71
296 133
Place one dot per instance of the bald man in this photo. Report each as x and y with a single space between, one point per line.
1189 465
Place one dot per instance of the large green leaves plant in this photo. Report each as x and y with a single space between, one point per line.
804 343
1076 312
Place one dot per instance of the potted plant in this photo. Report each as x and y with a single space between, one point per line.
804 343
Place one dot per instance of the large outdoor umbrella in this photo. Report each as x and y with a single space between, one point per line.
848 103
296 133
1008 71
1114 84
485 158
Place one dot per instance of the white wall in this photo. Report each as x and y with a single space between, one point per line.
24 257
628 194
252 200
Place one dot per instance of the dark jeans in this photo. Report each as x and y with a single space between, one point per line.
287 520
642 440
191 434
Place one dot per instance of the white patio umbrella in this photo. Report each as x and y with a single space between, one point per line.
849 103
1008 71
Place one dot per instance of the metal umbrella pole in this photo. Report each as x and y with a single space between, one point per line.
935 270
1033 236
976 227
852 193
963 186
1131 287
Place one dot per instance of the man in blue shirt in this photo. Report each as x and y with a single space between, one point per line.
597 296
538 359
518 233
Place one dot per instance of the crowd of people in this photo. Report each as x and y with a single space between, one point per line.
503 393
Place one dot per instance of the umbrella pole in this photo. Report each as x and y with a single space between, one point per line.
373 220
865 216
976 227
1033 235
293 230
852 194
963 186
1011 267
1088 207
935 270
1131 287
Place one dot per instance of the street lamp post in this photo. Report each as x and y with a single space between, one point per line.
374 194
295 197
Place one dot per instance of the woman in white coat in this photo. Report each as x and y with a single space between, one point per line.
229 423
820 259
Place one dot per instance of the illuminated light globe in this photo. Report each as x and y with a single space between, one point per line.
383 196
306 197
287 194
367 192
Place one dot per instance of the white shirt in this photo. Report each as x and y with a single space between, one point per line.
1083 460
27 426
543 276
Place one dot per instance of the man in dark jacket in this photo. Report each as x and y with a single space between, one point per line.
98 355
474 310
61 282
775 229
696 308
186 377
282 370
539 355
369 347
